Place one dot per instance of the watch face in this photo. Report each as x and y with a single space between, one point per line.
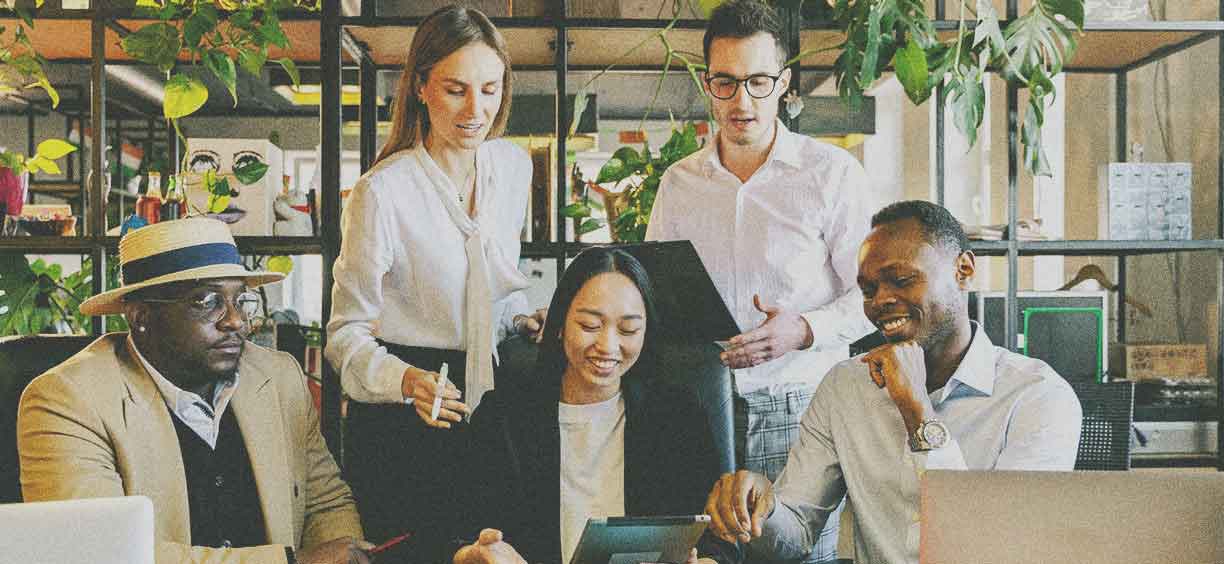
935 433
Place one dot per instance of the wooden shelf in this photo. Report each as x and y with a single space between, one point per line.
1094 248
1176 413
1104 46
68 39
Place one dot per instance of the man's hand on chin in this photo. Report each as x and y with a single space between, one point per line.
489 549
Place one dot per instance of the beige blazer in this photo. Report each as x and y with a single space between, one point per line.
96 426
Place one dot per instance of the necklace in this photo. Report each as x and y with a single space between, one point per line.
463 187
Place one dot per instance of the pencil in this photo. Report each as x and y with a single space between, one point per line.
386 545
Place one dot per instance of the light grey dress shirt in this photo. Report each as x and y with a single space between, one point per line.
202 417
1005 411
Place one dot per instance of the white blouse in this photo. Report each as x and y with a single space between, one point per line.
402 271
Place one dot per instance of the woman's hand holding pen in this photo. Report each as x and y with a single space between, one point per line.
422 386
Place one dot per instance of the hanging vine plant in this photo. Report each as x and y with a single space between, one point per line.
22 68
222 36
1029 52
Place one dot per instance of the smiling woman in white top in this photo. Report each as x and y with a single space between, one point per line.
427 273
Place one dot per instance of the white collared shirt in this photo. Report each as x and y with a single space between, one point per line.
1004 411
402 269
791 233
204 418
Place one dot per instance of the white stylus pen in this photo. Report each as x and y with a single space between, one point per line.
437 405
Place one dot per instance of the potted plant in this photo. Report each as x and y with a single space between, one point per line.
637 175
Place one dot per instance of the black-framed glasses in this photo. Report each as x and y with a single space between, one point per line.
210 307
756 85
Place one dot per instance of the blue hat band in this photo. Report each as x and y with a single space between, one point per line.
178 260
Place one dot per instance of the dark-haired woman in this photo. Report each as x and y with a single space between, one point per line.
591 433
428 273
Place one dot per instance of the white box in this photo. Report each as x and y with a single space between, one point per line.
256 200
1144 201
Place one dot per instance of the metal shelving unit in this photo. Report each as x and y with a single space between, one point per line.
371 42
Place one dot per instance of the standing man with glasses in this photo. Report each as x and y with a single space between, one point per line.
219 433
777 219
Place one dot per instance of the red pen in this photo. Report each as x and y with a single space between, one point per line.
386 545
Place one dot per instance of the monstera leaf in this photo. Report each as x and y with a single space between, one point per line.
17 284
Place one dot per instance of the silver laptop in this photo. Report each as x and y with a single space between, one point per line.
978 517
112 530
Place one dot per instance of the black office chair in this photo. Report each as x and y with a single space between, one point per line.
21 360
1105 433
694 367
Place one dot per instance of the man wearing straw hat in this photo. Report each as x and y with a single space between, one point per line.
221 434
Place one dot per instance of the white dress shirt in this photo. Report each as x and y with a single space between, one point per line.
1004 411
791 233
203 418
402 270
592 466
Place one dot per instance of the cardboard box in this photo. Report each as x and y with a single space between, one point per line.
1174 362
254 200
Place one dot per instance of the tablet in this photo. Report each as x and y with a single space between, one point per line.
634 540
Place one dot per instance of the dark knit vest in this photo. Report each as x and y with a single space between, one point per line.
221 492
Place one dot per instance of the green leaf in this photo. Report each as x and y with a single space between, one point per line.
613 171
12 161
217 204
156 44
55 148
631 157
291 68
1030 134
199 24
147 4
867 74
17 290
271 32
682 143
1037 41
242 18
707 6
588 226
50 90
223 68
222 188
968 98
184 95
576 210
250 172
281 264
40 163
580 105
25 15
252 61
1073 10
987 29
910 63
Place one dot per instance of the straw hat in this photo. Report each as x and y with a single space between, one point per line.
172 251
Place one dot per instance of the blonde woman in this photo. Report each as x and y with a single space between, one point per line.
427 273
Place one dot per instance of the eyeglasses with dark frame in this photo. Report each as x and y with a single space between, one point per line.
758 86
210 307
